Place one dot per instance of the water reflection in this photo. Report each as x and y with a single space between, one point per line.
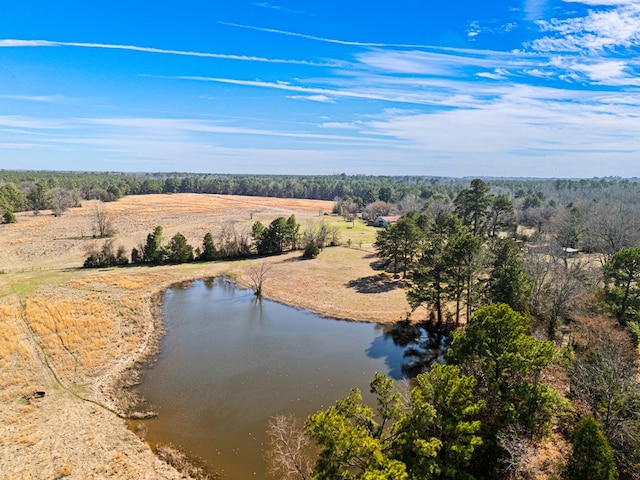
421 345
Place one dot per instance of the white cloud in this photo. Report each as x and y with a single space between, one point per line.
313 98
534 9
26 43
597 31
605 3
267 5
497 74
415 62
14 121
47 43
401 97
34 98
339 125
569 137
324 39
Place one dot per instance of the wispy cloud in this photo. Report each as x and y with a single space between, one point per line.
267 5
313 98
534 9
340 125
245 58
326 92
15 121
164 126
278 8
324 39
34 98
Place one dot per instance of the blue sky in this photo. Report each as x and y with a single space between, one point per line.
544 88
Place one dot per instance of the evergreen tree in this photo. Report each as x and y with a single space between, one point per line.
592 457
434 436
623 287
311 250
472 206
508 283
502 217
388 247
12 199
509 363
153 251
280 235
209 252
431 276
462 255
438 434
178 250
408 236
351 444
292 233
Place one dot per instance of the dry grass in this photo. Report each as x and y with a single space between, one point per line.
14 350
340 283
86 328
175 457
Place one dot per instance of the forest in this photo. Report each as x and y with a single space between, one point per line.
536 279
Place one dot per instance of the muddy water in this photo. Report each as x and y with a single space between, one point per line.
229 363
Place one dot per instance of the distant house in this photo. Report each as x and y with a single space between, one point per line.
384 221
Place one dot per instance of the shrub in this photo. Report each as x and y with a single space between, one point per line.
311 250
9 217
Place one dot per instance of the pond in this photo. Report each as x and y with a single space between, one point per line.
228 363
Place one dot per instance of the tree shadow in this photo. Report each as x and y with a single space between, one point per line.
375 284
379 265
296 259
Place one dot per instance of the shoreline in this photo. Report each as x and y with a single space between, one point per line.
115 389
128 403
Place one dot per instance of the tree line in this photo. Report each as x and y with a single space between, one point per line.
281 235
42 190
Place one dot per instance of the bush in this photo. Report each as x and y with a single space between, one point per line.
9 217
106 256
311 250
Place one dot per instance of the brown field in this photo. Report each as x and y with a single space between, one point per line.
78 334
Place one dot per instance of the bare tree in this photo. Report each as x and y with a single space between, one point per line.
605 377
377 209
257 276
410 203
61 199
233 242
103 222
520 450
541 218
333 234
289 454
558 285
349 210
612 227
436 206
316 232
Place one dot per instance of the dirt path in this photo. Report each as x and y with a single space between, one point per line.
75 334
